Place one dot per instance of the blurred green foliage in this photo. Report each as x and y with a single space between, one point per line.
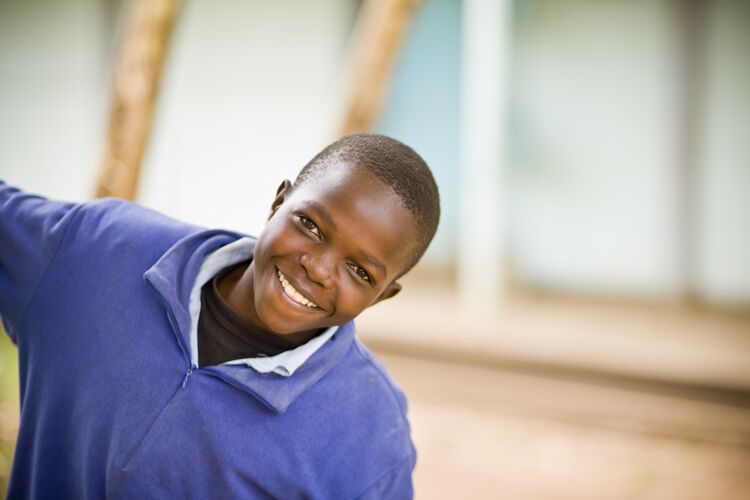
9 407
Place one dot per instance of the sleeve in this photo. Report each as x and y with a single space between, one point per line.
394 484
31 229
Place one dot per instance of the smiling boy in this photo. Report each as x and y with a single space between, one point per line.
162 360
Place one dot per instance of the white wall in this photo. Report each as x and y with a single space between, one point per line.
248 98
593 194
249 95
52 95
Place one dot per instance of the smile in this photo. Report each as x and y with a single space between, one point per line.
293 293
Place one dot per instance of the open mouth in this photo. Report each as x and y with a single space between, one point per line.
293 293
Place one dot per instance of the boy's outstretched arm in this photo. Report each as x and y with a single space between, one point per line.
31 229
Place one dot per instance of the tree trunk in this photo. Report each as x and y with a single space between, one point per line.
381 28
136 83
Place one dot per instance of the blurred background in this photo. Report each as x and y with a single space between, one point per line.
580 327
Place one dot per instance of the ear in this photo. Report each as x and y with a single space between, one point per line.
281 195
390 291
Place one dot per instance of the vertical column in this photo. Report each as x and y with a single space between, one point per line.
692 17
484 40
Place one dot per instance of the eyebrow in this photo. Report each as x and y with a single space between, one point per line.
323 214
374 262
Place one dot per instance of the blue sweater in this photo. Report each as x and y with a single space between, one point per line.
95 296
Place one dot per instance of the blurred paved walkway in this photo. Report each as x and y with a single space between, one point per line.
694 346
488 433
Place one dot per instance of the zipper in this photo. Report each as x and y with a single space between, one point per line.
187 375
176 331
191 366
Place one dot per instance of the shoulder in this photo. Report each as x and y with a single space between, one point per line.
369 398
376 367
362 378
385 429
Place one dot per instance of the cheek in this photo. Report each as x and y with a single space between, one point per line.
275 236
354 298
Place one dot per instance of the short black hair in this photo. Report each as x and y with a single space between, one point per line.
396 165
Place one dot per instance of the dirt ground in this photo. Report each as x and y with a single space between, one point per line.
489 433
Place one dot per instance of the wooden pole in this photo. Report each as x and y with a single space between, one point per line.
380 31
136 83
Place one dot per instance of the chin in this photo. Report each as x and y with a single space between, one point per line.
275 321
278 314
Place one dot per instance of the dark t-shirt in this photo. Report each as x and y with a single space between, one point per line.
223 335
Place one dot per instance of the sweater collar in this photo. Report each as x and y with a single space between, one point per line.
173 275
278 392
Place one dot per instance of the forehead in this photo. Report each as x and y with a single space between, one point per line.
364 212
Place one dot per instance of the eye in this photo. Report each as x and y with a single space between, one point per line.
309 225
360 272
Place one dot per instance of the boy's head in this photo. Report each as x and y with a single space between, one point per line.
359 216
397 166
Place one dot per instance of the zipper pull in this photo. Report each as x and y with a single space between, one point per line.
187 376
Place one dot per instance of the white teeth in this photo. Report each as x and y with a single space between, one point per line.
293 293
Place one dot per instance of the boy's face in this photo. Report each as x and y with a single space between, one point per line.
331 248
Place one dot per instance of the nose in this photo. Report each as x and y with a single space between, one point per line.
319 268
